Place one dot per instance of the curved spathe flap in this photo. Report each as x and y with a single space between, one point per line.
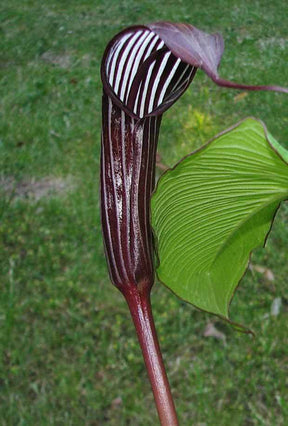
201 50
191 45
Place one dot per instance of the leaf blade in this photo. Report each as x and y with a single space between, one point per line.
216 206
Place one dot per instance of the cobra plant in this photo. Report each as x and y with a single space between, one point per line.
145 69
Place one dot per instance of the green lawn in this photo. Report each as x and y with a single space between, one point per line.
69 355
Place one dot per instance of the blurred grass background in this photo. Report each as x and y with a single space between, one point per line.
69 355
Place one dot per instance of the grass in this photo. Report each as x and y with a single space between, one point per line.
69 353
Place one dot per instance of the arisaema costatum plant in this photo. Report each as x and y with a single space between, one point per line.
207 213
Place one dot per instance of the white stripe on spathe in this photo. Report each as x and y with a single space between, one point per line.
157 80
144 94
134 59
151 41
166 84
134 52
124 56
113 57
124 61
180 78
140 59
137 98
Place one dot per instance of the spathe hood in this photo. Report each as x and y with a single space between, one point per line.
146 68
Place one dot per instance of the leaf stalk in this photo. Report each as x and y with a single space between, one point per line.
139 304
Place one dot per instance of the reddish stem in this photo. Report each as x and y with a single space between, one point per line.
140 307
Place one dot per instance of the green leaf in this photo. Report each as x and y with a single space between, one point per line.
213 208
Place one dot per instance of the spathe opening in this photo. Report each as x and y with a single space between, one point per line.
142 74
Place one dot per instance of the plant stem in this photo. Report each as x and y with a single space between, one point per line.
140 308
